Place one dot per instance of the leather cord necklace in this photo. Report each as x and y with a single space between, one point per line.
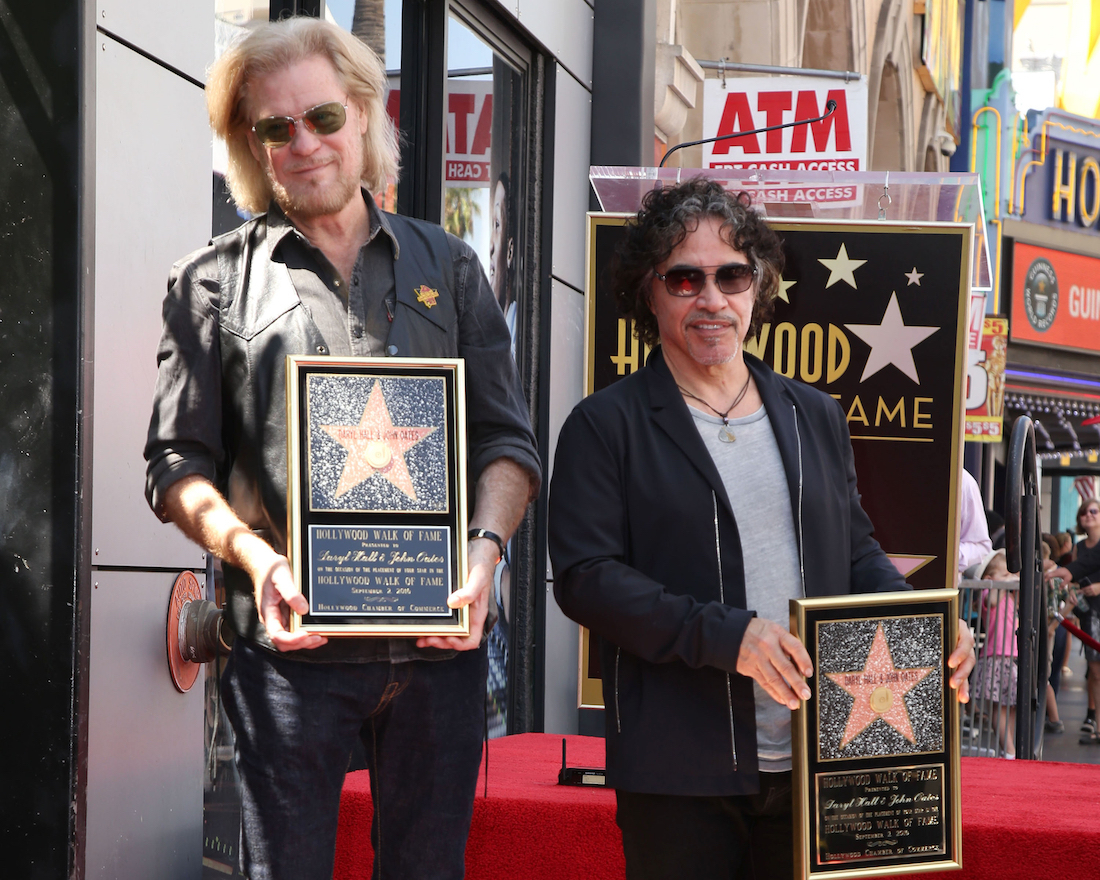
725 433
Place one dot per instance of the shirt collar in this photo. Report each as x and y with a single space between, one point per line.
279 226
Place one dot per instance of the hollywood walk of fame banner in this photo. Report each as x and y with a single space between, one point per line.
376 494
873 313
875 750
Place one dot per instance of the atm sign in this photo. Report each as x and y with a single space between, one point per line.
469 132
838 143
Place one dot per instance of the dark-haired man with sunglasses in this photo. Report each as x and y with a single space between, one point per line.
690 502
322 271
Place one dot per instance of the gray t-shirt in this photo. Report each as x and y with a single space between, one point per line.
752 472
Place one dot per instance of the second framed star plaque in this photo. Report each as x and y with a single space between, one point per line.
376 494
875 749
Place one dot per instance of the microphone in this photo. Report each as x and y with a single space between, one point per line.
830 109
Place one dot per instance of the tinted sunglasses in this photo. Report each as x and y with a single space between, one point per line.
690 280
278 131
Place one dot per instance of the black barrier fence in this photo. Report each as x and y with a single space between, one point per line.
1011 624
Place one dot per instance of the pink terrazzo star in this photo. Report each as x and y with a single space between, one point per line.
879 690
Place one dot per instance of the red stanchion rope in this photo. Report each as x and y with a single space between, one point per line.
1080 633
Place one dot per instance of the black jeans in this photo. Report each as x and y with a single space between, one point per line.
421 724
747 837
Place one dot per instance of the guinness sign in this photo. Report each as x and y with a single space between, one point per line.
1040 294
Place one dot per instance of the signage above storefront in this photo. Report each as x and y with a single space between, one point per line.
985 382
1055 298
1061 176
838 143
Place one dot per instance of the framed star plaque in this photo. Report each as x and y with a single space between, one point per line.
376 494
875 750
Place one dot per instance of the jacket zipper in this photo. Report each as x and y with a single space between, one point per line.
801 542
722 597
618 717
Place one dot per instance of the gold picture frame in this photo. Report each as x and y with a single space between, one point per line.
376 494
876 748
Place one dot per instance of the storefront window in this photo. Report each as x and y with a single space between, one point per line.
378 24
482 153
480 200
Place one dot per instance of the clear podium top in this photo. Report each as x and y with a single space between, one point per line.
835 195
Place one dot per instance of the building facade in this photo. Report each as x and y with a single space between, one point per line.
908 54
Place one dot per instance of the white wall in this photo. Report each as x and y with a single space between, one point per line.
152 196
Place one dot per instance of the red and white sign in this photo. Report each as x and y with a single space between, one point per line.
838 143
469 132
835 194
1055 298
985 383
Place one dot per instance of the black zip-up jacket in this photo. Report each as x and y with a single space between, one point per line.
646 553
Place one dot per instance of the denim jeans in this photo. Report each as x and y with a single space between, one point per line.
748 837
295 723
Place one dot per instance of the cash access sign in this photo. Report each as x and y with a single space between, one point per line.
838 143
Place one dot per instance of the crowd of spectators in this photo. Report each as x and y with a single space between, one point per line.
1071 570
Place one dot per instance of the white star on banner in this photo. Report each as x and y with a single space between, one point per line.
784 286
842 268
891 342
914 277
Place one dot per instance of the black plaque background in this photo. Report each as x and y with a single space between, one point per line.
913 835
805 720
308 518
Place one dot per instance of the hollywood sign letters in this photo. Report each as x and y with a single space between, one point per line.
1075 189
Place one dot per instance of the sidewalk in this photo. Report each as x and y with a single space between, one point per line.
1072 705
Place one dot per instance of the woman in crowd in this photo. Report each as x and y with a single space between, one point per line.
1082 571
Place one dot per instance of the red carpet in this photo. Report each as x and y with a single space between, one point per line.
1021 819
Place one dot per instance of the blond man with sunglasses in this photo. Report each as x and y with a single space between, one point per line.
690 502
322 271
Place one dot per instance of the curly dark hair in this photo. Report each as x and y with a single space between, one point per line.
667 216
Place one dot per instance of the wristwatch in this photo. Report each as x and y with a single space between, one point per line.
473 534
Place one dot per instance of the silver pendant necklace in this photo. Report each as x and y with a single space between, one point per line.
725 433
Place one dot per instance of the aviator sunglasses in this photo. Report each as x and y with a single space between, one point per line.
690 280
278 131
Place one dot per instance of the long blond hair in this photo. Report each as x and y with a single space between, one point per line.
274 46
